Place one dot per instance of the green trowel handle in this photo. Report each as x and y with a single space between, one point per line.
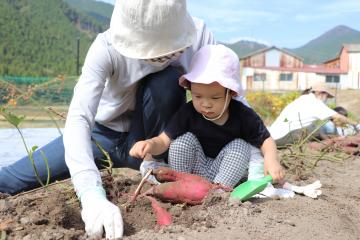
267 178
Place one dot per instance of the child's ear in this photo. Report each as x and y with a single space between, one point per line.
233 94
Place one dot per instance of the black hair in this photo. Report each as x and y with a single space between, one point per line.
341 111
306 91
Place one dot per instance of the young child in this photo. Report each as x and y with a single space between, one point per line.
211 135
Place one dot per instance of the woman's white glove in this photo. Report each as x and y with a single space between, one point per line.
311 190
98 213
271 191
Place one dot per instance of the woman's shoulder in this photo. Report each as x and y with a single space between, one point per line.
199 24
104 44
310 97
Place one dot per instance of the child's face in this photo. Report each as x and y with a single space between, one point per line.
209 99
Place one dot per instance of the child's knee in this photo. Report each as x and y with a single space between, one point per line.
256 164
255 154
184 141
239 147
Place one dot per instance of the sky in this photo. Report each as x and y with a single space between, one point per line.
282 23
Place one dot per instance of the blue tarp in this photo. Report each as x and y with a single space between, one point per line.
11 145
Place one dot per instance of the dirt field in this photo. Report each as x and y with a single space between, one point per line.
350 99
55 213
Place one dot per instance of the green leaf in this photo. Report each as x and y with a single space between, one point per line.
11 118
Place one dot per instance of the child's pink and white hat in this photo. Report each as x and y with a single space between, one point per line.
214 63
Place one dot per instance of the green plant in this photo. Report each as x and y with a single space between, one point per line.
297 158
107 160
269 105
15 121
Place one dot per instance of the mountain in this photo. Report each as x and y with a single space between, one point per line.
39 37
328 45
244 47
100 11
318 50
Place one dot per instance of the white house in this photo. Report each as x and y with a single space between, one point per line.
273 68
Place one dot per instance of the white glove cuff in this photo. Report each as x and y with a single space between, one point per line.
86 180
92 193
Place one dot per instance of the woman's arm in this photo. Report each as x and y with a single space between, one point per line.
338 118
81 117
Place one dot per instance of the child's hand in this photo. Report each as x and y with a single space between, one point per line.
140 149
274 169
271 163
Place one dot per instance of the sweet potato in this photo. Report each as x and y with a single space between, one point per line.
191 192
349 144
163 218
164 174
179 188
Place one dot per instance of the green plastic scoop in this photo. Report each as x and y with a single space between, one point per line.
249 188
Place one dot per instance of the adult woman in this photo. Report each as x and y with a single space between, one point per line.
301 115
127 91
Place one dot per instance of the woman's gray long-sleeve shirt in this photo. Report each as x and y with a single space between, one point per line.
105 93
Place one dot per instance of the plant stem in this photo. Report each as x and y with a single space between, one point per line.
31 158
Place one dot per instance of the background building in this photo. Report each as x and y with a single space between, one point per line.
273 68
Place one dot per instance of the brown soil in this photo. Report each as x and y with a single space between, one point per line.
54 213
349 99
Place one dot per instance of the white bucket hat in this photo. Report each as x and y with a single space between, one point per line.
323 87
145 29
214 63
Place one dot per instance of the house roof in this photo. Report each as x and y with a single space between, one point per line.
269 48
333 59
311 69
352 47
